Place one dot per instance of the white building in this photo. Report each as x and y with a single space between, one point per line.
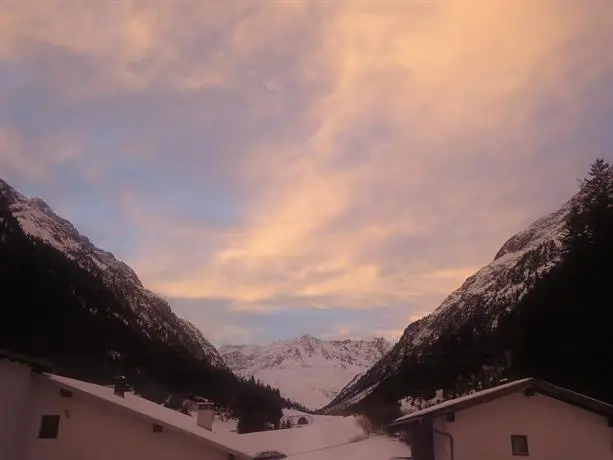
525 418
49 417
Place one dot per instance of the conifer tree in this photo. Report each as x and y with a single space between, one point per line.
589 221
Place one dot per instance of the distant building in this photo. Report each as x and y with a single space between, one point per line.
49 417
293 421
523 418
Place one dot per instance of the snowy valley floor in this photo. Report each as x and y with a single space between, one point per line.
328 437
373 448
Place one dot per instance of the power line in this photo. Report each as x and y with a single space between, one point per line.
326 448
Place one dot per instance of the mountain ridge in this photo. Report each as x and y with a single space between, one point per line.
39 220
87 313
494 289
306 369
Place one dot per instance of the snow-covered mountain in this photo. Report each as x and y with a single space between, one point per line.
496 288
307 370
154 316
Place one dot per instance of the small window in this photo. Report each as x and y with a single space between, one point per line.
519 445
49 427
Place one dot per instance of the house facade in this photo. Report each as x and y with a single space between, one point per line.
527 418
48 417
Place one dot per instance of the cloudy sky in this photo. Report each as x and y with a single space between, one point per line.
275 168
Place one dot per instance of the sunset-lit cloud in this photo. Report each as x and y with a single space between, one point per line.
357 160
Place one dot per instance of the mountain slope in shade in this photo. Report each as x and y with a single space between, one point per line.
154 316
494 289
307 370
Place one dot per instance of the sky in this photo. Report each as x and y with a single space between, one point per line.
278 168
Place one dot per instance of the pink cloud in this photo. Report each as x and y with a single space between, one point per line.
292 155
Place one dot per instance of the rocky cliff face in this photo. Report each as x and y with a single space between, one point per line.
154 316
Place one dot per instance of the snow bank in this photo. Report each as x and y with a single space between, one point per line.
375 448
224 425
324 432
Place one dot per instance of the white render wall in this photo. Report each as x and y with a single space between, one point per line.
555 430
90 428
16 384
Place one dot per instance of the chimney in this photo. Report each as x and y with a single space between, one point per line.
120 386
205 415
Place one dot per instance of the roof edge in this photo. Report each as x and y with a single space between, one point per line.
151 418
540 386
37 365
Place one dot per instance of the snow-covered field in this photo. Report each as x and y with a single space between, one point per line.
328 437
314 387
373 448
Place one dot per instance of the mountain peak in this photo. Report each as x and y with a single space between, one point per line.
308 338
306 369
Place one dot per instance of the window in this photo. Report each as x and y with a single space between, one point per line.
519 445
49 427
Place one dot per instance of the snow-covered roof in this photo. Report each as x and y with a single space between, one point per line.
172 419
452 403
546 388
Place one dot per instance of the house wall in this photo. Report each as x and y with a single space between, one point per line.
555 430
15 387
91 429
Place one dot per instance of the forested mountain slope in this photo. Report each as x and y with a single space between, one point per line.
69 302
541 308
